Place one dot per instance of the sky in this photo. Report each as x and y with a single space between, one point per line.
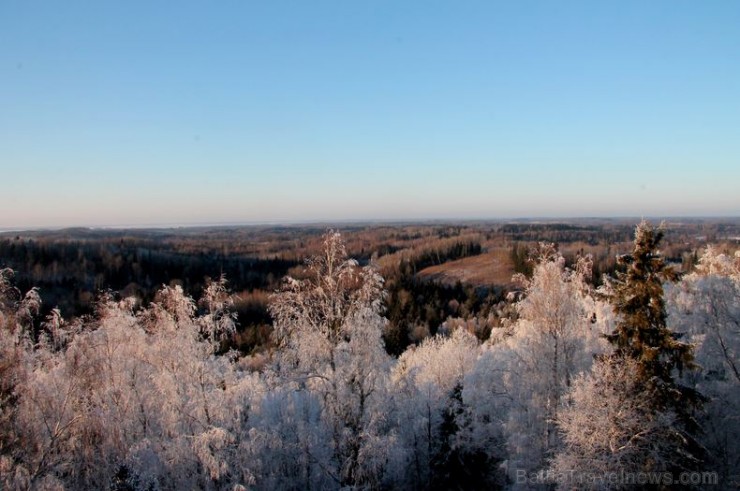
151 113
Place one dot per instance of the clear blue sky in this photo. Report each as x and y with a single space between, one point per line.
160 112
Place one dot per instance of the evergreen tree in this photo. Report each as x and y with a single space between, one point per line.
641 334
630 414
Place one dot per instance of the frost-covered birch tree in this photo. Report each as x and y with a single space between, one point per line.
440 430
132 398
554 339
328 327
706 305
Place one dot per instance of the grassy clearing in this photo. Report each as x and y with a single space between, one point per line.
491 267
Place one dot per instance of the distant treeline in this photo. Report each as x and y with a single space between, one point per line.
69 273
562 233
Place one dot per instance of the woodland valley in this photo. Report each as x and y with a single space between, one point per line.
530 354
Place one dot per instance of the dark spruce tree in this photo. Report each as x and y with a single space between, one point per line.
642 334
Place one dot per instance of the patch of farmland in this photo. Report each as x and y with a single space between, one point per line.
492 267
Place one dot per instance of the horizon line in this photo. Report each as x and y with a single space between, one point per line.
359 221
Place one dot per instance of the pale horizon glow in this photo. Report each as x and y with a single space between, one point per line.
142 114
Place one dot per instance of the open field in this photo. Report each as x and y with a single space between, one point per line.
489 268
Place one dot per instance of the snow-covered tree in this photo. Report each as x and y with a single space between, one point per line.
131 398
706 305
437 425
642 418
554 339
16 358
328 327
608 427
219 320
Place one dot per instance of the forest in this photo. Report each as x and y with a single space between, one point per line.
432 271
593 354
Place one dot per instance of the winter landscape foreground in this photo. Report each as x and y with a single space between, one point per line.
634 383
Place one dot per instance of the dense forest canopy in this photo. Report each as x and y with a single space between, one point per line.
353 370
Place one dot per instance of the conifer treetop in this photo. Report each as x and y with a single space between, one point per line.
641 331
